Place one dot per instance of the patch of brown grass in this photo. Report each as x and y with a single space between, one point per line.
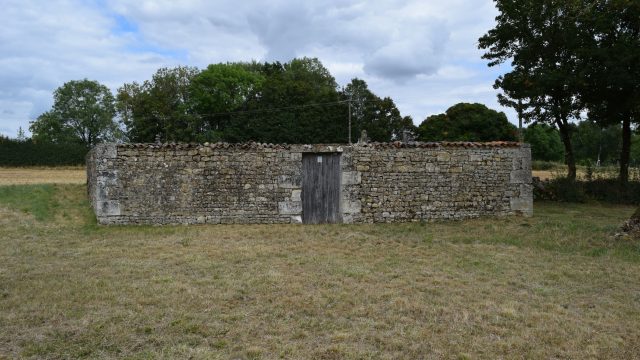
552 286
42 175
543 174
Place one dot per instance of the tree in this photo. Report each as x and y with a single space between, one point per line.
379 117
467 122
83 111
635 150
161 106
21 135
540 38
219 91
298 103
592 143
545 141
610 58
50 127
293 102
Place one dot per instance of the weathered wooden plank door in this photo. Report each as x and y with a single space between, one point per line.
321 188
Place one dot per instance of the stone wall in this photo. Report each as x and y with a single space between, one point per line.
259 183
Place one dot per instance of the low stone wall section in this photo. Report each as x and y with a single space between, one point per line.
260 183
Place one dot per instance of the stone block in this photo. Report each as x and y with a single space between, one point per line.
290 181
431 167
475 157
443 156
522 205
351 207
351 177
520 177
106 151
290 207
108 208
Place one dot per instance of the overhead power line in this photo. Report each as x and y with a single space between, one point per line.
272 109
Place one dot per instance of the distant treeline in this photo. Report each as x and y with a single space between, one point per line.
591 143
29 153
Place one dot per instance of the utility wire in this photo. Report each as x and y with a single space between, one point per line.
240 112
271 109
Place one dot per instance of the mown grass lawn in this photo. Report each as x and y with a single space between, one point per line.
557 285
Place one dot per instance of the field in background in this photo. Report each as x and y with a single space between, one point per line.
556 285
551 170
43 175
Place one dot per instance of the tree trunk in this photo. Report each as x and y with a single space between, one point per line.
625 153
565 135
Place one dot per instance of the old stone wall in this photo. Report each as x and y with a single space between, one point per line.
259 183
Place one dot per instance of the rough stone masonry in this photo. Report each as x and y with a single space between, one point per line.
263 183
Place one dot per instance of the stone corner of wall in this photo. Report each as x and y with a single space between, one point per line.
523 203
105 151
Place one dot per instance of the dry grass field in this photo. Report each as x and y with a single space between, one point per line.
554 286
604 172
59 175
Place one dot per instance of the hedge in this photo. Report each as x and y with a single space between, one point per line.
28 153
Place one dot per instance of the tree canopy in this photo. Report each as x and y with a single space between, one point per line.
467 122
539 37
610 67
220 90
567 57
545 142
160 106
294 102
83 111
378 116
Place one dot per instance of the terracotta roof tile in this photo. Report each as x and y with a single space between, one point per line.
377 145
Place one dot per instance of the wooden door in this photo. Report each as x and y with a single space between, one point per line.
321 188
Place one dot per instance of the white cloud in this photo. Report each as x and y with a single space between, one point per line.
422 53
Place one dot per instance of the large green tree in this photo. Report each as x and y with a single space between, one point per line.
378 116
467 122
293 102
83 111
545 141
298 103
540 39
610 59
220 94
161 107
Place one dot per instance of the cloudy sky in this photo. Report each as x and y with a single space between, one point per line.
422 53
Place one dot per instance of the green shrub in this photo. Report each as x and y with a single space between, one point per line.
579 191
611 191
567 190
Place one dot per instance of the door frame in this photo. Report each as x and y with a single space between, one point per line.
338 155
